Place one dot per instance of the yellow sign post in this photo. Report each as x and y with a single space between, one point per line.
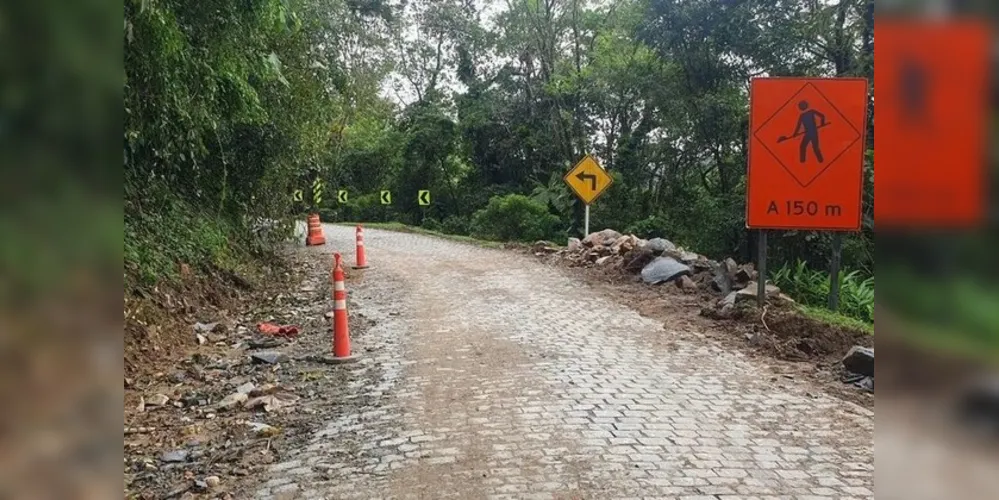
588 180
423 197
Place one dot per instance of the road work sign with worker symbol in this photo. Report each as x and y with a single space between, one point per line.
806 153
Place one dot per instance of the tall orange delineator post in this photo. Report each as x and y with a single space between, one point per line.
341 334
362 259
315 236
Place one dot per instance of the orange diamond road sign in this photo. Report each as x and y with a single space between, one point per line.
588 179
934 82
806 153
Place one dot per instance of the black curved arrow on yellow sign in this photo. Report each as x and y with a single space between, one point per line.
583 176
423 198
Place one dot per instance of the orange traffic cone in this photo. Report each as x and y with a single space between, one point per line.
341 333
362 259
315 236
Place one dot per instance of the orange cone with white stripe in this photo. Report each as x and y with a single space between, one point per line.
315 236
341 334
362 259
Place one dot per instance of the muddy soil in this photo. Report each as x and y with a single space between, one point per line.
158 321
179 442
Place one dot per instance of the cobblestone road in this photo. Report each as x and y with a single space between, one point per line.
499 377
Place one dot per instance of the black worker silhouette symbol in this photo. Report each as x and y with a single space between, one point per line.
810 121
913 91
807 134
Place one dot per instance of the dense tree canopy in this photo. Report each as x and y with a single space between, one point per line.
232 105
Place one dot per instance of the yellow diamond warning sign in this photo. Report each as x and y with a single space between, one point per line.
588 179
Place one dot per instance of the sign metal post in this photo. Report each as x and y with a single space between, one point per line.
806 158
588 180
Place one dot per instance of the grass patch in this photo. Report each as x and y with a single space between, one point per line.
836 319
403 228
957 314
947 342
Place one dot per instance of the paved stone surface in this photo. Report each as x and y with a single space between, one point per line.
490 375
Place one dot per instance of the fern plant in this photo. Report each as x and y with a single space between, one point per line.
811 287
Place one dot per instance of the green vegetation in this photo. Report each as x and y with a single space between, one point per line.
837 319
515 218
953 342
954 312
154 244
485 110
230 106
811 288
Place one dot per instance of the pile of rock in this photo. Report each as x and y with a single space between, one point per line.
725 308
658 260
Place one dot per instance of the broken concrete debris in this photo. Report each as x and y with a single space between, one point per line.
685 283
660 245
658 260
543 247
860 360
269 357
175 456
157 400
233 400
574 245
606 237
662 270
